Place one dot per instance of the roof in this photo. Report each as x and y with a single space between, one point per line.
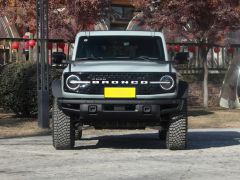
119 33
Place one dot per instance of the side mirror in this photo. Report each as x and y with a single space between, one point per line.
58 57
181 58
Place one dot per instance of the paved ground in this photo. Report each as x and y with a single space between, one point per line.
212 154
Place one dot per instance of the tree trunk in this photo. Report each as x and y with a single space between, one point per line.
205 82
204 51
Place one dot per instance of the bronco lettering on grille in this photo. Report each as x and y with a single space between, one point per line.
120 82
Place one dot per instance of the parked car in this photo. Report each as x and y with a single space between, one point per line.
120 80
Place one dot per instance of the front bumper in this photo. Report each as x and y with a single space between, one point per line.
119 108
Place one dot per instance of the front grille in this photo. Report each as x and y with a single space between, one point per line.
98 89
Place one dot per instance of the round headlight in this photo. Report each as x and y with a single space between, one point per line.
72 82
167 82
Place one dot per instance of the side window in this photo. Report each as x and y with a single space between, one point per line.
161 50
83 48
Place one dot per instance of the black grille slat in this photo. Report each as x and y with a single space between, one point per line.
148 89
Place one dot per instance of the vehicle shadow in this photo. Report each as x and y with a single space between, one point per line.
213 139
126 141
196 140
196 113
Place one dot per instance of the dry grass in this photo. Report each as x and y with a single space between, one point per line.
11 126
214 118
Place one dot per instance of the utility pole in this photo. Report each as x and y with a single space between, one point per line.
42 63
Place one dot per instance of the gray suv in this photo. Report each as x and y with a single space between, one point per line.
120 80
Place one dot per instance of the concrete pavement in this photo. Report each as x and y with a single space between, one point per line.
212 154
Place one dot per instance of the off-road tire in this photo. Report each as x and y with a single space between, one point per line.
78 134
62 129
162 134
177 132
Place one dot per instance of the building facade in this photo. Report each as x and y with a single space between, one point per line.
122 11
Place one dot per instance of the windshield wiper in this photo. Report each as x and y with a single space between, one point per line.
145 58
89 58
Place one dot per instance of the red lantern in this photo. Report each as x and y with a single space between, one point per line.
61 45
216 50
15 45
177 48
50 46
192 49
231 50
32 43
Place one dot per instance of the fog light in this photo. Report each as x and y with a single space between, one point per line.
92 109
147 109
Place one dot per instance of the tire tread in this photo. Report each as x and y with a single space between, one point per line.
177 131
62 131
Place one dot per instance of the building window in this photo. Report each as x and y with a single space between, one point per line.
122 12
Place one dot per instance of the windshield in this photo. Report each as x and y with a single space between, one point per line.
120 47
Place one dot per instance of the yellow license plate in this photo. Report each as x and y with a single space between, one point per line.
112 92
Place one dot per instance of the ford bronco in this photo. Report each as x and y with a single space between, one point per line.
120 80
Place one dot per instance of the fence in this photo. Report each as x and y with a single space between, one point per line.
218 58
22 49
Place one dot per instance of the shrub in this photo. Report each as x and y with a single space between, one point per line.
18 88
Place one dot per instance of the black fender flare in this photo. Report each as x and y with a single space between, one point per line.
182 90
57 88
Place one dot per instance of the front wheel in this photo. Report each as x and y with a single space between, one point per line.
63 130
177 132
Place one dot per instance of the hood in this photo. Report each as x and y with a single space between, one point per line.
119 66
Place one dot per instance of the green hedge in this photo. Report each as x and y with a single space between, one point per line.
18 88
